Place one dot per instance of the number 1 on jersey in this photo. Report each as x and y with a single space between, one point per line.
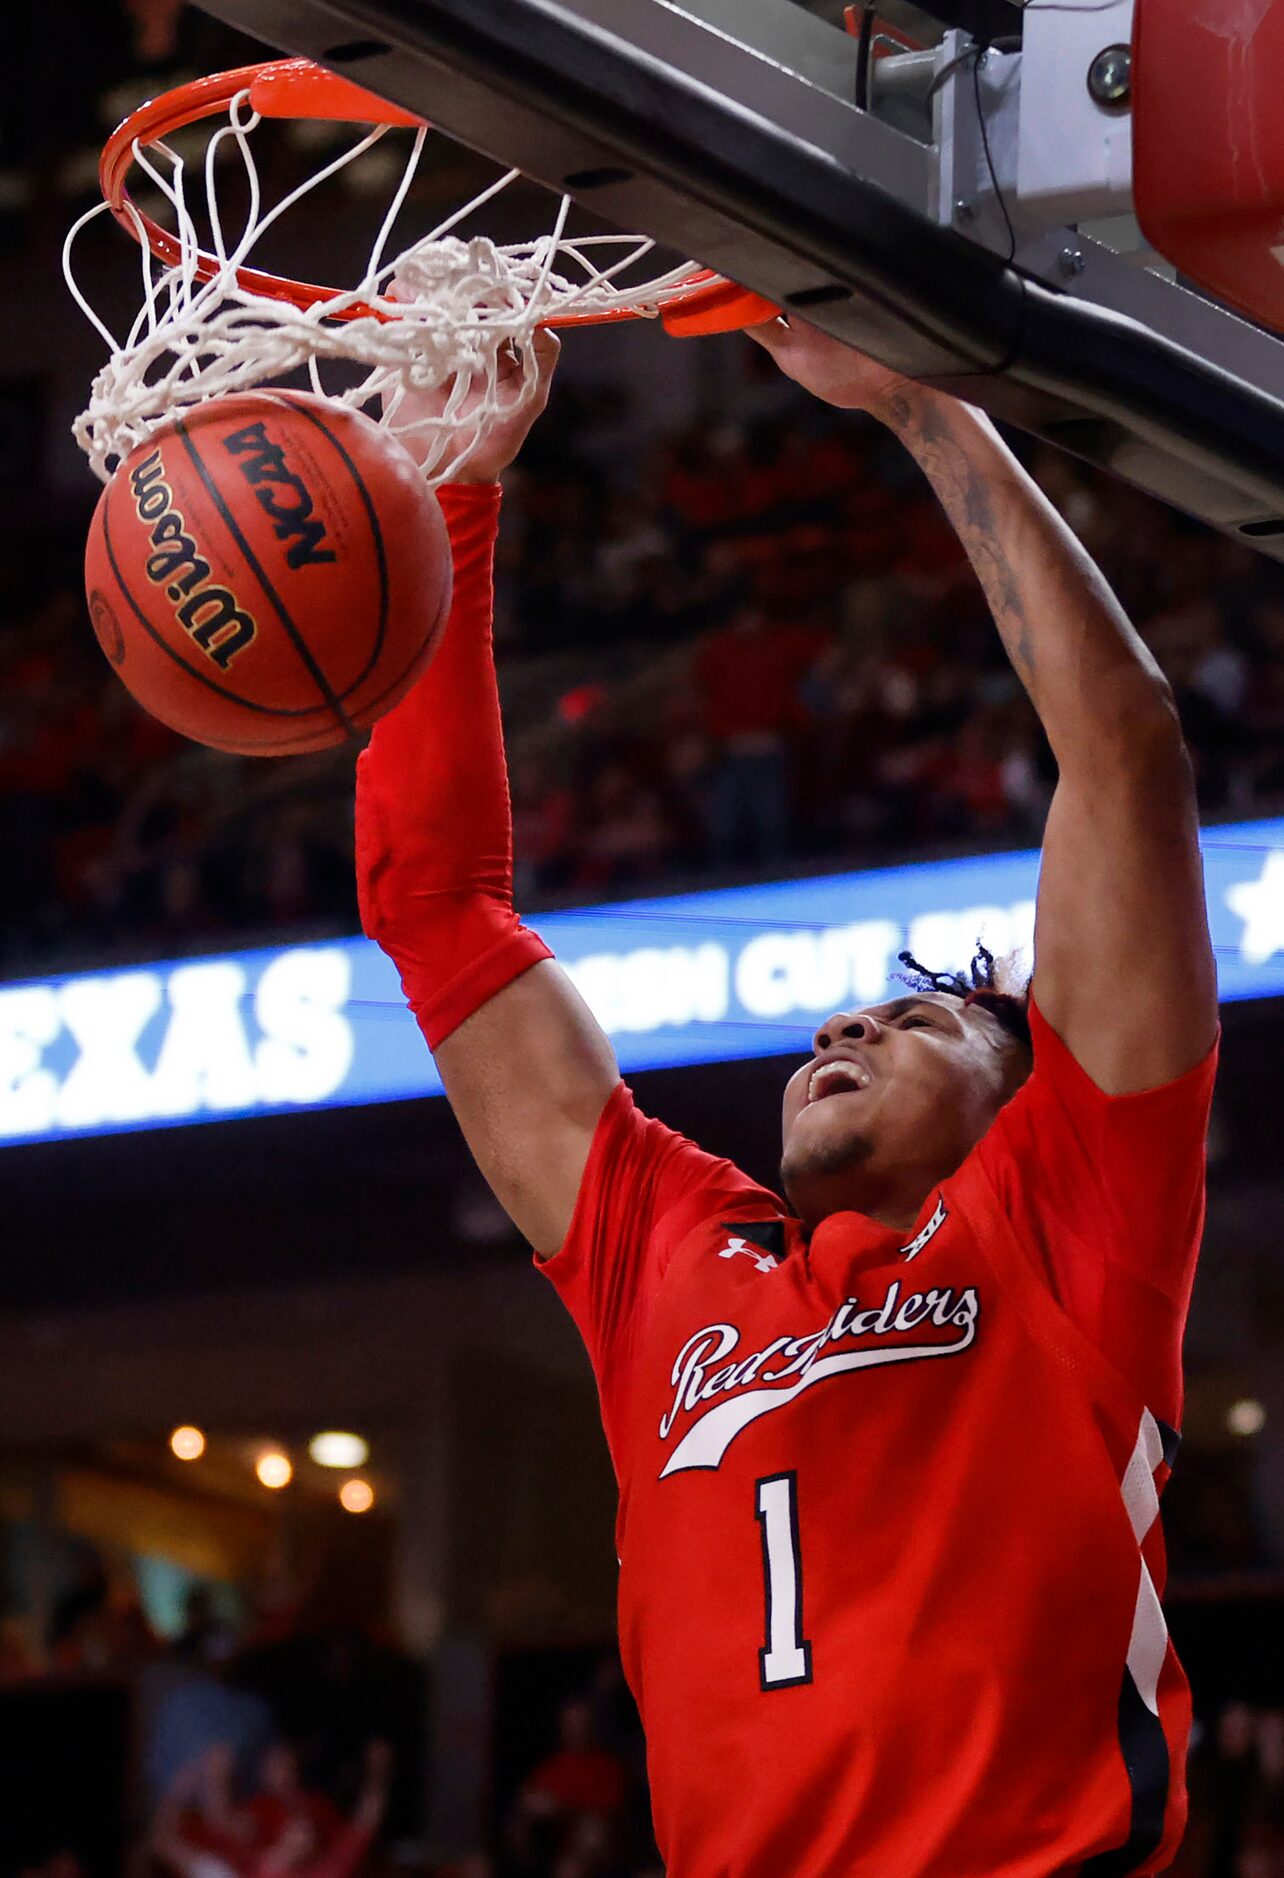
785 1660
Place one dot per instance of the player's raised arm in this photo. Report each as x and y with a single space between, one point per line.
525 1065
1123 963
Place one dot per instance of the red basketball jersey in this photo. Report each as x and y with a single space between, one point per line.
888 1524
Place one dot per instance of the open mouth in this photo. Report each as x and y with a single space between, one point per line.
836 1078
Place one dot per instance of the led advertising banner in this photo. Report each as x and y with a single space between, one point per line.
696 978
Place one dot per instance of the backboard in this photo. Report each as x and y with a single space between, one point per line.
960 209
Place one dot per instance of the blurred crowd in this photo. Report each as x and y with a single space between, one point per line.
251 1745
209 1826
743 648
1237 1797
580 1811
216 1821
252 1804
815 677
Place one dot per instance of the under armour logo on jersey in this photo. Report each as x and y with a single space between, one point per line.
915 1246
762 1240
734 1247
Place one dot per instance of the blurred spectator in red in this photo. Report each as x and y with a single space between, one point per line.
62 1864
1262 1853
19 1661
544 823
283 1799
98 1623
155 24
702 478
749 677
117 835
191 1705
201 1829
571 1805
309 1839
624 837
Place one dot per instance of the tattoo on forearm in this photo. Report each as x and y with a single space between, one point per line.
1069 640
968 501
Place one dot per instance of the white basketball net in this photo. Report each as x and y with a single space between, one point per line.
434 368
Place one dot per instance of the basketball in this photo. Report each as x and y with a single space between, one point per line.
268 573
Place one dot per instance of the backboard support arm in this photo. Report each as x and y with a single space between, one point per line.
751 159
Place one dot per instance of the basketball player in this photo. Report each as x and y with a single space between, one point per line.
889 1448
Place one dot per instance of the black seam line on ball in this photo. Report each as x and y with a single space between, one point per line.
291 631
193 671
373 708
376 532
372 705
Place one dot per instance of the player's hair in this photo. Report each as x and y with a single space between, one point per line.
980 984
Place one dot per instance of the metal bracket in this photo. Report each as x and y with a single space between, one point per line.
667 118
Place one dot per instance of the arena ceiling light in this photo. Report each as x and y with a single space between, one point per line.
356 1496
187 1443
333 1448
273 1469
1246 1417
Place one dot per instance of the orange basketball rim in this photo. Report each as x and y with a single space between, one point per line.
700 303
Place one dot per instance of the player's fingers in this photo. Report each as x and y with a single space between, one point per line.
774 335
547 348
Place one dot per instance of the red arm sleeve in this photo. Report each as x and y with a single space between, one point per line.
644 1189
1107 1192
434 835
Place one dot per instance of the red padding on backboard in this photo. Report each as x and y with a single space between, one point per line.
1208 145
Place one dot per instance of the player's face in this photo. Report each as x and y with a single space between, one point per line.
892 1101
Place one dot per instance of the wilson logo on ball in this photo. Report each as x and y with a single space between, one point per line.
186 566
281 494
208 614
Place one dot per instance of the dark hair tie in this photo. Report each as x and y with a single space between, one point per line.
975 986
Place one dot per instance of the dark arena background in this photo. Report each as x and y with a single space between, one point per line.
742 655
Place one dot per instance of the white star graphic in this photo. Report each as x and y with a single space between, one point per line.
1260 904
